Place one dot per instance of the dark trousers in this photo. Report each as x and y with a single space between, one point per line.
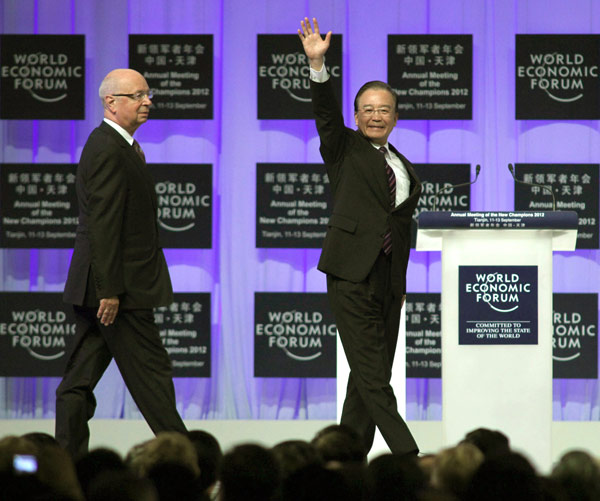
134 342
367 316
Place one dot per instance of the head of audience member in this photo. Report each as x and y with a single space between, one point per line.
40 439
96 462
11 446
505 477
579 475
292 455
553 490
175 482
16 481
209 455
339 444
425 462
43 470
431 494
56 470
392 477
490 442
121 485
166 447
355 475
454 467
250 472
315 482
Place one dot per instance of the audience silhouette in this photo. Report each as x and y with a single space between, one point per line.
330 467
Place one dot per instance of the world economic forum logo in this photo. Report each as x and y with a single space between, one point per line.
575 337
500 291
291 73
498 304
42 76
298 334
41 333
556 77
294 335
178 203
557 73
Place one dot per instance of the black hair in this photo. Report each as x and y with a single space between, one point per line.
375 84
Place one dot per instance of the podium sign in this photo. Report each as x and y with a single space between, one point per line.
497 305
507 387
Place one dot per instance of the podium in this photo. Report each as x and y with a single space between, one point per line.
497 321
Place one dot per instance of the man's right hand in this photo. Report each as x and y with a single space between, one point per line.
314 46
109 307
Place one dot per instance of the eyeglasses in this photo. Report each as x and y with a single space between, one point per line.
383 112
138 96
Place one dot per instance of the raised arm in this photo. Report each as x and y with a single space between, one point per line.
315 47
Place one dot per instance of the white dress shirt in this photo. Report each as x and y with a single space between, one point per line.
120 130
402 177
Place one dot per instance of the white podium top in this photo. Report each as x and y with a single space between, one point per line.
561 226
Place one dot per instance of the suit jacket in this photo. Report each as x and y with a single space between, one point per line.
361 199
117 250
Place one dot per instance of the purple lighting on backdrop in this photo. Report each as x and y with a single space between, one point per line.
235 141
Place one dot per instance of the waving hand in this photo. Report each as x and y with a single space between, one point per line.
315 47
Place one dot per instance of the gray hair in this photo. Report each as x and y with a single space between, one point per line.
108 86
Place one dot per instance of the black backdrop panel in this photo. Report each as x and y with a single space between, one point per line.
283 76
42 76
38 206
179 71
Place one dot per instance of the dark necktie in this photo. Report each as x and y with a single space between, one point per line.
139 151
387 238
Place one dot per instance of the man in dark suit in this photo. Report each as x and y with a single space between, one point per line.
366 250
118 272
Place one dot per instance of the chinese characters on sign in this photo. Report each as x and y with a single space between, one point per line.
423 335
38 206
432 76
184 328
575 187
292 205
179 71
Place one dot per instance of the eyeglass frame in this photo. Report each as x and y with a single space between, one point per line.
140 95
383 111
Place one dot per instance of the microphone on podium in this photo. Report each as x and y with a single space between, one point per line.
543 186
436 196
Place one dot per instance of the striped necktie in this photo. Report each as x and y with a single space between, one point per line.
139 151
387 238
